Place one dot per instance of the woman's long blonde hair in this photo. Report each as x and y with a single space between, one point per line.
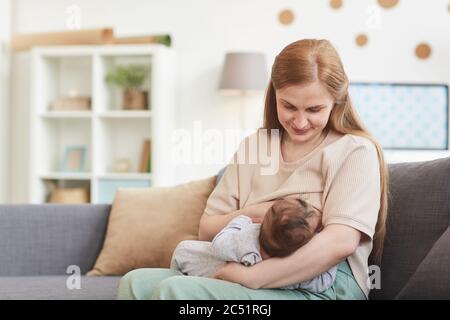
304 62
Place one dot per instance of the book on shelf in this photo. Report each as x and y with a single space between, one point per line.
144 165
149 165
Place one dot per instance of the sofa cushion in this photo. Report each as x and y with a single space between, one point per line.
432 278
46 239
55 288
418 216
145 226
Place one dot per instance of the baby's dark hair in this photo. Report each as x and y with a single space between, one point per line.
285 227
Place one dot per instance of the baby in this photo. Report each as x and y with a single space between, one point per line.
288 225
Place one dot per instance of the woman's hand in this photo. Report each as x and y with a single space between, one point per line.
258 211
210 225
235 272
257 219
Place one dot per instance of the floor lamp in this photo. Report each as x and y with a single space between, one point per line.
243 73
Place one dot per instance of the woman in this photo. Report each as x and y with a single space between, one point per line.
327 158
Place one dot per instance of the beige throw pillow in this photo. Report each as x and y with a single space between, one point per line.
145 226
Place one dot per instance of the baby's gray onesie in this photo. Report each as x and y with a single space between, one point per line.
237 242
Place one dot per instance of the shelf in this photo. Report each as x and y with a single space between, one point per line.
61 76
125 114
126 176
107 132
66 115
111 98
66 176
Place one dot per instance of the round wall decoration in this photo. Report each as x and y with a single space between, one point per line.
286 17
423 51
387 4
336 4
361 40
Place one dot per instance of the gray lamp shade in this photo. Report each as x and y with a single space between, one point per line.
243 71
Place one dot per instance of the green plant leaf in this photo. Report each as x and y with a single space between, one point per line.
128 76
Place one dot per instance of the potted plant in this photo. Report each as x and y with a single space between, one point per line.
130 78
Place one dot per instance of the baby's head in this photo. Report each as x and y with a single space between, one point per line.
288 225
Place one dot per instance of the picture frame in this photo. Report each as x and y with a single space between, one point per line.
404 116
74 159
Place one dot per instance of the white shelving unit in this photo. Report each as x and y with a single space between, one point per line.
107 131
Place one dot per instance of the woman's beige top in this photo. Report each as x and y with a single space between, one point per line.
340 177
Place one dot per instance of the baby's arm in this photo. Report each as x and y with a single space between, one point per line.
318 284
233 243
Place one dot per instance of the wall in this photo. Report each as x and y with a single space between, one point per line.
203 31
5 30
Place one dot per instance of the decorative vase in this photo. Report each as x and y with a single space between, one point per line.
134 99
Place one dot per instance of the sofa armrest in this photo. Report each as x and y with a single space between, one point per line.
46 239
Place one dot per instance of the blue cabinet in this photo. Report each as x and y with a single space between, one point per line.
107 187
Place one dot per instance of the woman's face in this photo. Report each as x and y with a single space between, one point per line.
304 110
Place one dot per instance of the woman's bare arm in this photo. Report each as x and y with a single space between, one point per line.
335 243
210 225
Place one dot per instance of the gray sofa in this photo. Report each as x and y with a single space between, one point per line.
39 242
